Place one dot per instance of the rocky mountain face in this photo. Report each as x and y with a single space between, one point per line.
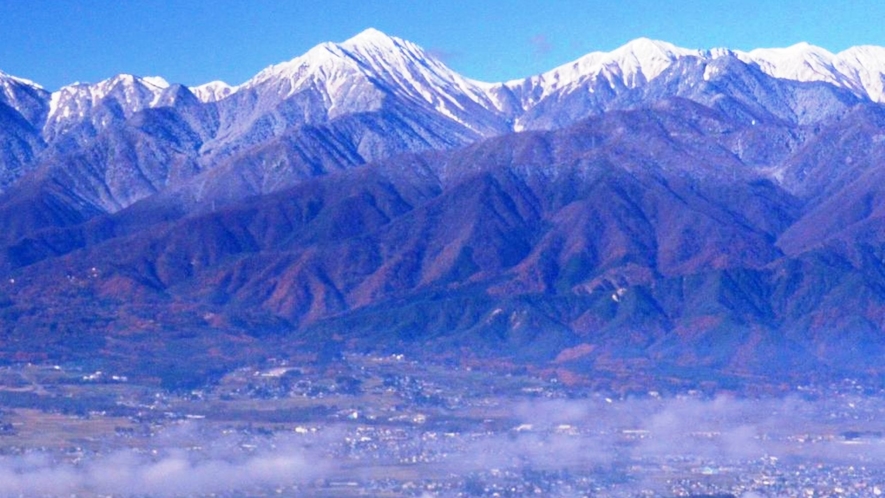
678 211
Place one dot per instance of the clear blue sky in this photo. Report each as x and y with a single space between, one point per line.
56 42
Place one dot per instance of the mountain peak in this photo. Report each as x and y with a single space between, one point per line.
370 36
797 52
648 47
870 56
212 91
632 64
156 81
865 66
805 47
23 81
799 62
379 49
74 103
126 79
369 40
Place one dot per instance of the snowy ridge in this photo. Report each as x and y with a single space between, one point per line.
358 74
363 68
212 91
800 62
864 65
410 68
859 69
6 79
629 66
74 103
326 64
25 96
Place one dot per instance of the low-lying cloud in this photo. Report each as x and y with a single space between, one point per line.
224 466
187 459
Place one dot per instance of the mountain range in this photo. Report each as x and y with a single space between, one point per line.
683 213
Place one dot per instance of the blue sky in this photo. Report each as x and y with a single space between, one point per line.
56 42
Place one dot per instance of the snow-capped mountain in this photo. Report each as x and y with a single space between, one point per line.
363 74
864 65
859 69
800 62
28 98
378 94
101 103
212 91
599 77
375 95
416 102
341 71
357 75
629 66
587 85
667 197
